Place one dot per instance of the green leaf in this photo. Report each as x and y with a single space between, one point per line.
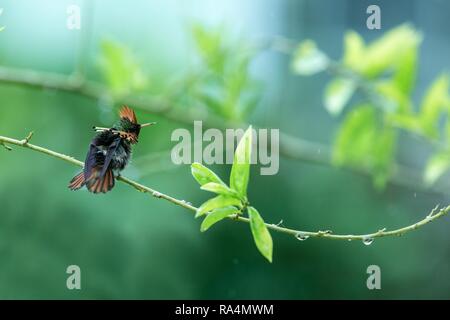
408 121
203 175
355 136
435 101
309 60
389 50
214 103
396 50
216 216
210 45
337 94
240 171
217 203
226 83
220 189
392 98
353 50
383 153
261 235
437 165
405 75
363 142
120 69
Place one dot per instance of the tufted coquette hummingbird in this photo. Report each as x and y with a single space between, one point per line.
109 153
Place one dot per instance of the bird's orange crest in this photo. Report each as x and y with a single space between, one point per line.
128 113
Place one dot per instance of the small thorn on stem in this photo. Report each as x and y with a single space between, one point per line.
28 138
6 146
432 213
279 223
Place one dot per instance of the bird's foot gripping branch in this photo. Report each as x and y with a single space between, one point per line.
232 202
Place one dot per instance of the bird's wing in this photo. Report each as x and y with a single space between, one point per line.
94 158
109 154
98 151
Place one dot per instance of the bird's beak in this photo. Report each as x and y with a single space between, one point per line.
98 129
148 124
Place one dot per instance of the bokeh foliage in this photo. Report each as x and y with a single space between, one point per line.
382 74
130 246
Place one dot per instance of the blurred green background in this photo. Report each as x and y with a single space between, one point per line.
129 245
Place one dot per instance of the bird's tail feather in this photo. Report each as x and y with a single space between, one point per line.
77 182
98 183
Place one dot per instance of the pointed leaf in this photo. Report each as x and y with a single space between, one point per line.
337 94
219 189
121 70
261 235
395 50
392 98
216 203
203 175
210 44
405 75
354 50
309 60
437 99
363 142
389 50
240 171
216 216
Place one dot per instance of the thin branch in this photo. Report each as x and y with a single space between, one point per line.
301 235
290 147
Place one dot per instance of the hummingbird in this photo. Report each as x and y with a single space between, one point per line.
109 153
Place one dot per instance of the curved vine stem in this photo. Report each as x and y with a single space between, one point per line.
290 147
436 213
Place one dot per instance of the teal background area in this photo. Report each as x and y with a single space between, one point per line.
132 246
